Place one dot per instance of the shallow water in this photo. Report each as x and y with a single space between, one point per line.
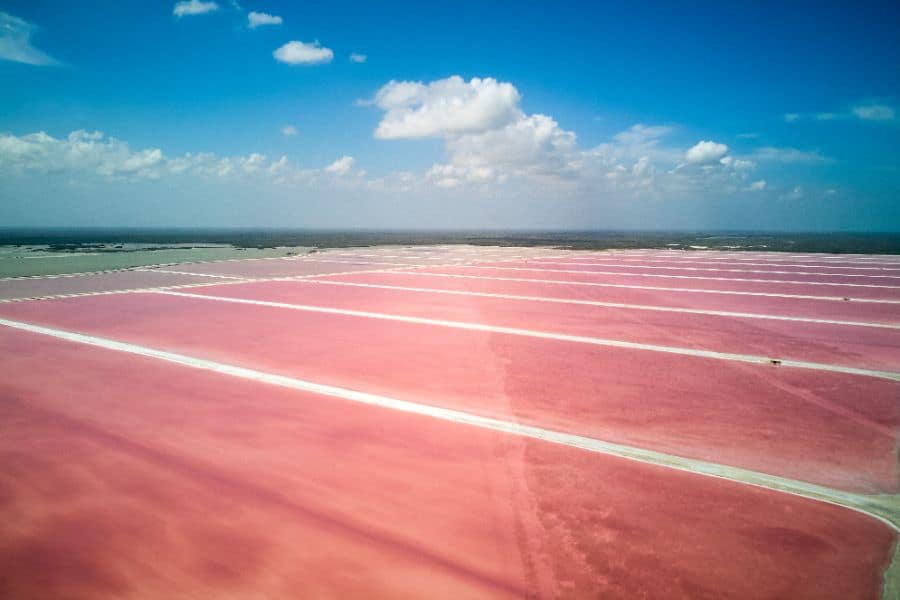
18 261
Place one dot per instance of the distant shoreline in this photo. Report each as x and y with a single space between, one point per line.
84 239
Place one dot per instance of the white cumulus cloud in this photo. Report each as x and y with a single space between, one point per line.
302 53
341 166
532 146
737 163
257 19
82 150
445 107
140 163
358 58
487 136
705 152
194 7
289 131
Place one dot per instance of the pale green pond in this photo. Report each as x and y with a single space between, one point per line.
18 261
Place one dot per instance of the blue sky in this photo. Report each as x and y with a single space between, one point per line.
497 114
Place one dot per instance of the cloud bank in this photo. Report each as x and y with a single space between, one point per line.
491 146
91 154
489 140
